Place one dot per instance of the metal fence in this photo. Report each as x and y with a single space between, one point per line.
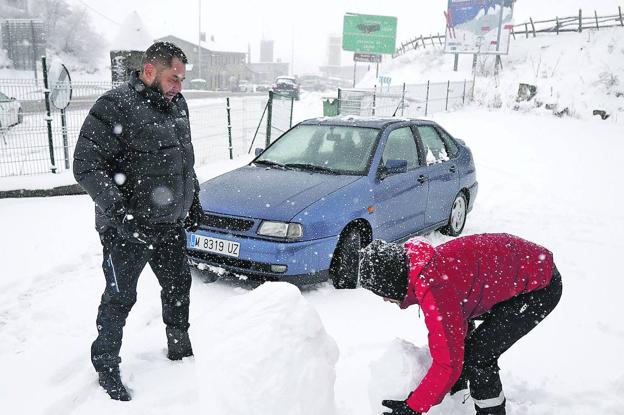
408 100
222 127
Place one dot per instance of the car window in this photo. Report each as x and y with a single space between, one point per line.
451 146
3 97
435 150
339 149
401 145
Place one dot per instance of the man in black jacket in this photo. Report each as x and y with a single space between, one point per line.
135 159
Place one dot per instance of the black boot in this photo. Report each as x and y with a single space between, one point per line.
494 410
110 380
179 344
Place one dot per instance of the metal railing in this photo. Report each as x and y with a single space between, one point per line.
25 148
407 100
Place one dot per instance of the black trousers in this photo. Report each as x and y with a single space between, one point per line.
501 327
123 262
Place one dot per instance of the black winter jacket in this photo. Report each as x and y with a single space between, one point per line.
135 148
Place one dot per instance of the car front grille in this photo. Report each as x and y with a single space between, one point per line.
227 223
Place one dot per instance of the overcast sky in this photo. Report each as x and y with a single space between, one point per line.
299 28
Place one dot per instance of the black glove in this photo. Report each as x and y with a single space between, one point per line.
127 227
398 408
195 215
460 385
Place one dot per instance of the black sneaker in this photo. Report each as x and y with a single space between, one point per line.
494 410
110 380
179 344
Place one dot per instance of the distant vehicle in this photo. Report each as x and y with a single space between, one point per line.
263 87
312 83
199 83
286 86
10 111
245 86
303 208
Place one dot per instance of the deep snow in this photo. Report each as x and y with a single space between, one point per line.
550 180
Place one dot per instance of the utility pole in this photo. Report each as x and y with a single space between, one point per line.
199 47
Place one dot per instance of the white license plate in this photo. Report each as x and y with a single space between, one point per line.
218 246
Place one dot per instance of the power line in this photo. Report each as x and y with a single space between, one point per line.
98 13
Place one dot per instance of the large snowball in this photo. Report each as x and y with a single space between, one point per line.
266 352
397 372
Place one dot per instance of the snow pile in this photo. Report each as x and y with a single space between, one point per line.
266 352
397 372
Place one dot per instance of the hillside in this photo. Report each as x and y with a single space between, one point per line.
579 71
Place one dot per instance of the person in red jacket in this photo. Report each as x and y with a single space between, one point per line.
507 283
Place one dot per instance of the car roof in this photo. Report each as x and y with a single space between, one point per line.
362 121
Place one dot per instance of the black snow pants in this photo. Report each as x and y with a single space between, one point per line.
501 327
123 262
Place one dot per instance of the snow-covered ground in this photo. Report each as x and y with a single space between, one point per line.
554 181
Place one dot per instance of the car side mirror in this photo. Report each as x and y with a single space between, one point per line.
258 151
393 167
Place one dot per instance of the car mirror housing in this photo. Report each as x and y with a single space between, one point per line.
258 151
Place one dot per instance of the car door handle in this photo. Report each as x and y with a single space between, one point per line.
453 169
422 178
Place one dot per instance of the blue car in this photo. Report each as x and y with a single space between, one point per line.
304 207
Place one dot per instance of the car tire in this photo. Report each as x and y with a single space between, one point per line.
457 217
20 116
344 270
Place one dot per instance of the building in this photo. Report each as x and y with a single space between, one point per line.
221 69
266 51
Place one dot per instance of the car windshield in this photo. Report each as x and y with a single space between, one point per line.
323 148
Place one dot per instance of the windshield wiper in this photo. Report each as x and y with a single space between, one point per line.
312 167
270 163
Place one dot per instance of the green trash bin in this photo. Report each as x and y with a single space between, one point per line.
330 107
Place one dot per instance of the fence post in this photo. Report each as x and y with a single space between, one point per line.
464 94
448 87
513 33
403 100
427 99
456 62
596 16
580 29
557 26
229 127
374 98
620 12
292 104
48 117
526 30
532 26
269 119
339 101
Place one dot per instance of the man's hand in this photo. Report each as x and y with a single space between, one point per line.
127 227
398 408
195 216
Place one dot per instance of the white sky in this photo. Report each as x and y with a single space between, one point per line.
299 26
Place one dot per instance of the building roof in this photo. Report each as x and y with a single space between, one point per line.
208 46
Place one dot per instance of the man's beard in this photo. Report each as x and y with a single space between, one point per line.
156 86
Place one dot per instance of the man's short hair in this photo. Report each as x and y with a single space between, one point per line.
163 53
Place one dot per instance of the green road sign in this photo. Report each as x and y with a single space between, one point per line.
369 34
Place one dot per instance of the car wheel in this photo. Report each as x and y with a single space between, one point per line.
457 218
345 266
20 116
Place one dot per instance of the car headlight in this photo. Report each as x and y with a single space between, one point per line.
280 229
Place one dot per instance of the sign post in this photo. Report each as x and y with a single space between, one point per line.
60 96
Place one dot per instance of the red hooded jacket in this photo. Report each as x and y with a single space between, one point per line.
460 280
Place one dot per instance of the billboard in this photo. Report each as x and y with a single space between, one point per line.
369 34
479 26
